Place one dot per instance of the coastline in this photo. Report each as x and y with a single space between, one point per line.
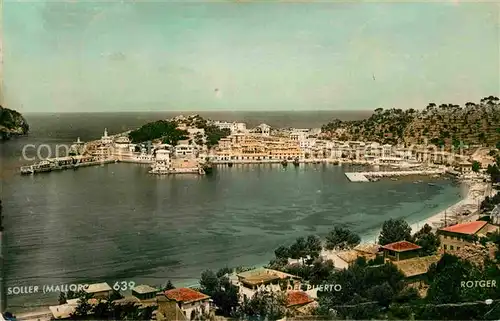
474 194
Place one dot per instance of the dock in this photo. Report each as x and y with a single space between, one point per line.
366 176
357 177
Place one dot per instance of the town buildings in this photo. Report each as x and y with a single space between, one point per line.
401 250
99 290
192 303
460 235
252 281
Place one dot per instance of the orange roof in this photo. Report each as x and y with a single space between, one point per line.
465 228
185 295
401 246
298 298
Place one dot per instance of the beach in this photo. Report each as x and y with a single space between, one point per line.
474 193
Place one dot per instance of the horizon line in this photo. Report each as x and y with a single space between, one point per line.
194 111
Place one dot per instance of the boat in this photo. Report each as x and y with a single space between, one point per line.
394 179
27 170
284 162
43 166
296 162
431 184
230 164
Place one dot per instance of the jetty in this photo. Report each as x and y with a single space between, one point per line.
369 176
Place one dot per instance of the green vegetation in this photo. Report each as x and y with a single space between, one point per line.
444 125
264 305
12 123
341 239
494 171
161 129
395 230
476 166
221 290
427 240
489 203
214 134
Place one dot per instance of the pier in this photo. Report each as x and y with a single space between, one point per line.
366 176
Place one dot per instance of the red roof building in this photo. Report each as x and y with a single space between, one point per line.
401 250
297 299
465 234
185 295
468 228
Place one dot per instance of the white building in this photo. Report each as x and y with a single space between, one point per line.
307 144
298 135
234 127
185 150
193 131
162 162
223 124
122 142
264 129
99 290
192 303
105 139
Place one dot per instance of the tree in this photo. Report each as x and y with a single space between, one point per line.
313 244
395 230
298 249
476 166
167 130
169 286
341 238
62 298
221 290
264 305
208 282
282 252
427 240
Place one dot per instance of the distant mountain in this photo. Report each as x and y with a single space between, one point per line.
12 123
444 125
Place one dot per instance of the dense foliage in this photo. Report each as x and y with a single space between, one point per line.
341 239
12 123
427 240
221 290
444 125
394 230
164 129
214 134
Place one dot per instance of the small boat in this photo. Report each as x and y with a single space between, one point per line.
230 164
284 162
431 184
296 162
394 179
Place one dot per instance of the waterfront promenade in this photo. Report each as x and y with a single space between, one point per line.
365 176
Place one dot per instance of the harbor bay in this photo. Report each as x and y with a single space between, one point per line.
115 222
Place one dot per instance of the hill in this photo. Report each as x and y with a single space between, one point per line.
444 125
12 123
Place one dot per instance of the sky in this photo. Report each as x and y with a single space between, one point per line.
110 56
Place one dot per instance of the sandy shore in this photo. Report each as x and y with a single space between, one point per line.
476 192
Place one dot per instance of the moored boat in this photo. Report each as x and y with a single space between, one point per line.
230 164
296 162
284 162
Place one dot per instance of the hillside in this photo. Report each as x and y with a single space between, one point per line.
12 123
444 125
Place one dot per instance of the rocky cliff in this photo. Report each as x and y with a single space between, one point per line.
12 124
